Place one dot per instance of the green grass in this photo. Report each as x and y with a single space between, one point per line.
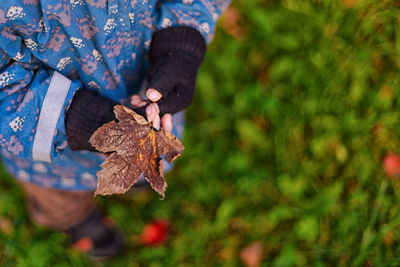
284 144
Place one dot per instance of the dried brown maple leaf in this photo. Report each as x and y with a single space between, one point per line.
136 148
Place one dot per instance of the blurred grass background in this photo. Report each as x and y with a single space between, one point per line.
297 104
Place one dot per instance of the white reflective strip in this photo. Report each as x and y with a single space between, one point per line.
49 115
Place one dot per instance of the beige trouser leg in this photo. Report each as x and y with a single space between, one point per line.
58 209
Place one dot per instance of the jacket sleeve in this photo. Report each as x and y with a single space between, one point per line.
199 14
33 101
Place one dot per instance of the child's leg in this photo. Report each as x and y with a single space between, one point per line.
57 209
74 212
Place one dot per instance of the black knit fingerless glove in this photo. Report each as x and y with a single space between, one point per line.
176 54
87 112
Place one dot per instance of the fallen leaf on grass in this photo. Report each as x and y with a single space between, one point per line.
6 225
251 255
349 3
388 239
391 165
231 23
136 148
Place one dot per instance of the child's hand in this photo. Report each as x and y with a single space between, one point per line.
88 111
175 55
153 113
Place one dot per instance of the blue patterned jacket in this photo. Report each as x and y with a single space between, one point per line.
51 48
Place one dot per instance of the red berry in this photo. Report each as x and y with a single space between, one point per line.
155 233
391 165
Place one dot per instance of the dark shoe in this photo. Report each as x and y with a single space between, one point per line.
96 236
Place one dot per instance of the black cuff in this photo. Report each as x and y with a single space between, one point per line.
176 42
88 111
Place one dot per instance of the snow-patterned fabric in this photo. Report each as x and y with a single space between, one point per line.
98 44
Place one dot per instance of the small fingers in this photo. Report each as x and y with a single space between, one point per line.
153 95
157 122
152 111
137 101
166 122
